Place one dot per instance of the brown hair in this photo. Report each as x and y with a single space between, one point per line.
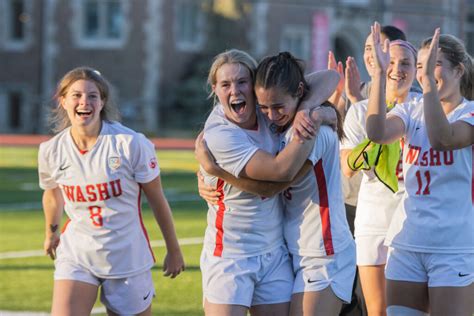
59 119
285 72
455 52
233 56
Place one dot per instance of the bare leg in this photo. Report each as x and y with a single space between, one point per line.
281 309
452 300
372 279
211 309
409 294
71 298
323 302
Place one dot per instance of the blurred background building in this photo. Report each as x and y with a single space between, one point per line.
156 53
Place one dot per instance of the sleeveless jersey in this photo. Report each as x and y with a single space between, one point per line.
101 190
242 224
376 203
436 214
315 216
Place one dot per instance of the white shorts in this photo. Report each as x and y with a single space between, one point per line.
262 279
370 250
314 274
436 269
125 296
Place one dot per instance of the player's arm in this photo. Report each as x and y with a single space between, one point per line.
257 187
280 168
53 205
173 263
380 129
456 135
348 172
321 86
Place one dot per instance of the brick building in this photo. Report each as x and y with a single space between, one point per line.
152 50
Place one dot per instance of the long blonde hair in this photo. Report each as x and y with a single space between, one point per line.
233 56
59 119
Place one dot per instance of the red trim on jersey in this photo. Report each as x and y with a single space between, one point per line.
324 207
220 220
83 152
139 207
65 225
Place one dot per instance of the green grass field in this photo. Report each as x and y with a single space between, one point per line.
26 283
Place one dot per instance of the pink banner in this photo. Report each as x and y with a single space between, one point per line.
400 23
320 41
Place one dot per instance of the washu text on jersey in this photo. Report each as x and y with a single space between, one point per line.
429 157
93 192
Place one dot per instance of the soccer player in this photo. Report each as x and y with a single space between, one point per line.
376 202
95 168
315 227
244 263
431 264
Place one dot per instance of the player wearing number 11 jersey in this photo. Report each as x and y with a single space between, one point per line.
431 262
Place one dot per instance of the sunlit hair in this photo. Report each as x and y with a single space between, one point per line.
285 72
59 119
282 71
455 52
233 56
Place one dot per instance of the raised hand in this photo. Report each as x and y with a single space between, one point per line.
352 82
381 53
429 64
337 66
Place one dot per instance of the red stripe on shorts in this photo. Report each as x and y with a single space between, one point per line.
324 207
139 207
220 219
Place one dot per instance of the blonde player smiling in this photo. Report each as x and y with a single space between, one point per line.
244 263
95 169
315 227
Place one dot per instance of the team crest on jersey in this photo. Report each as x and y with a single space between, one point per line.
153 163
114 163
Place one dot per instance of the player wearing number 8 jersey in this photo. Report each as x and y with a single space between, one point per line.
102 198
95 169
431 263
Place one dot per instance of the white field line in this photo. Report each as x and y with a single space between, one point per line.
97 310
40 253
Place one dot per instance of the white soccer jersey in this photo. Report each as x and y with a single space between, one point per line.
376 203
102 195
315 217
242 224
436 214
